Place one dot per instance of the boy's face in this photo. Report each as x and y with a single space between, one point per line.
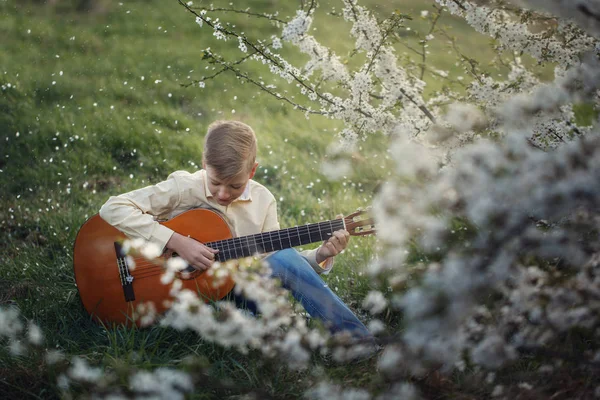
225 191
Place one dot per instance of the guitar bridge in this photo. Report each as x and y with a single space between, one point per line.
126 278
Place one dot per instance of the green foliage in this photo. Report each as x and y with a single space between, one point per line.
100 103
92 105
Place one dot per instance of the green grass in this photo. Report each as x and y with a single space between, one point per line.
96 107
86 118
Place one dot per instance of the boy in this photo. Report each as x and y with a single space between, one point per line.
225 184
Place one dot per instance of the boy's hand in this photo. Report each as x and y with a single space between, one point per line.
333 246
195 253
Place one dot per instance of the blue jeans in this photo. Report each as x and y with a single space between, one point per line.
297 276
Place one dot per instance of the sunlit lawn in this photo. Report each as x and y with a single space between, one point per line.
92 105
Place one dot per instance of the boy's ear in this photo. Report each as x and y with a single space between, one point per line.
253 171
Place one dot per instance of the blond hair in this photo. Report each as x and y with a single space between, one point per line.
229 148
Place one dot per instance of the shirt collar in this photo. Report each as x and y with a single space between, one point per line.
245 196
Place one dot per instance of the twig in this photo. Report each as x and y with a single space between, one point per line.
256 49
241 60
424 52
237 11
421 107
473 65
241 74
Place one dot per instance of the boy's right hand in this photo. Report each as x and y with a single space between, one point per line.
195 253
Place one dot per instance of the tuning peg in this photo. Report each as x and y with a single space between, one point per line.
364 232
356 213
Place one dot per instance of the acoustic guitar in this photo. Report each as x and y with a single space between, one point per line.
111 289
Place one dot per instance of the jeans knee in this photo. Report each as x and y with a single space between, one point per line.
288 261
286 256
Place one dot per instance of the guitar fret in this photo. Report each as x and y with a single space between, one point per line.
255 250
246 250
279 236
259 247
215 246
269 241
241 248
235 249
299 237
221 248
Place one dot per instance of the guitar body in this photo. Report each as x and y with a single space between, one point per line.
111 291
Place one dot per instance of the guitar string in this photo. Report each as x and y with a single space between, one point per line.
150 274
143 266
154 270
238 242
312 229
243 243
142 269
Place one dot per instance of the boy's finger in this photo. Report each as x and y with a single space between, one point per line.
210 248
340 235
208 253
199 266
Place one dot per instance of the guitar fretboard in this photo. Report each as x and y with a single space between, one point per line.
266 242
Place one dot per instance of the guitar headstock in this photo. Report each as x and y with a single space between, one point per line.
359 224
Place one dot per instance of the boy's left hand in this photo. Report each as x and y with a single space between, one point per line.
333 246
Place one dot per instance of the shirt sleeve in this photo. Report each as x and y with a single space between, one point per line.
322 268
134 213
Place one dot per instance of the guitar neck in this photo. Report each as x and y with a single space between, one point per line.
266 242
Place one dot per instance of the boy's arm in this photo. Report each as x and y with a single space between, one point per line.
133 213
321 263
322 258
323 267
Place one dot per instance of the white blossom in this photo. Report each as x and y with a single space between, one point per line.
375 302
297 27
81 371
464 117
329 391
162 383
34 334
